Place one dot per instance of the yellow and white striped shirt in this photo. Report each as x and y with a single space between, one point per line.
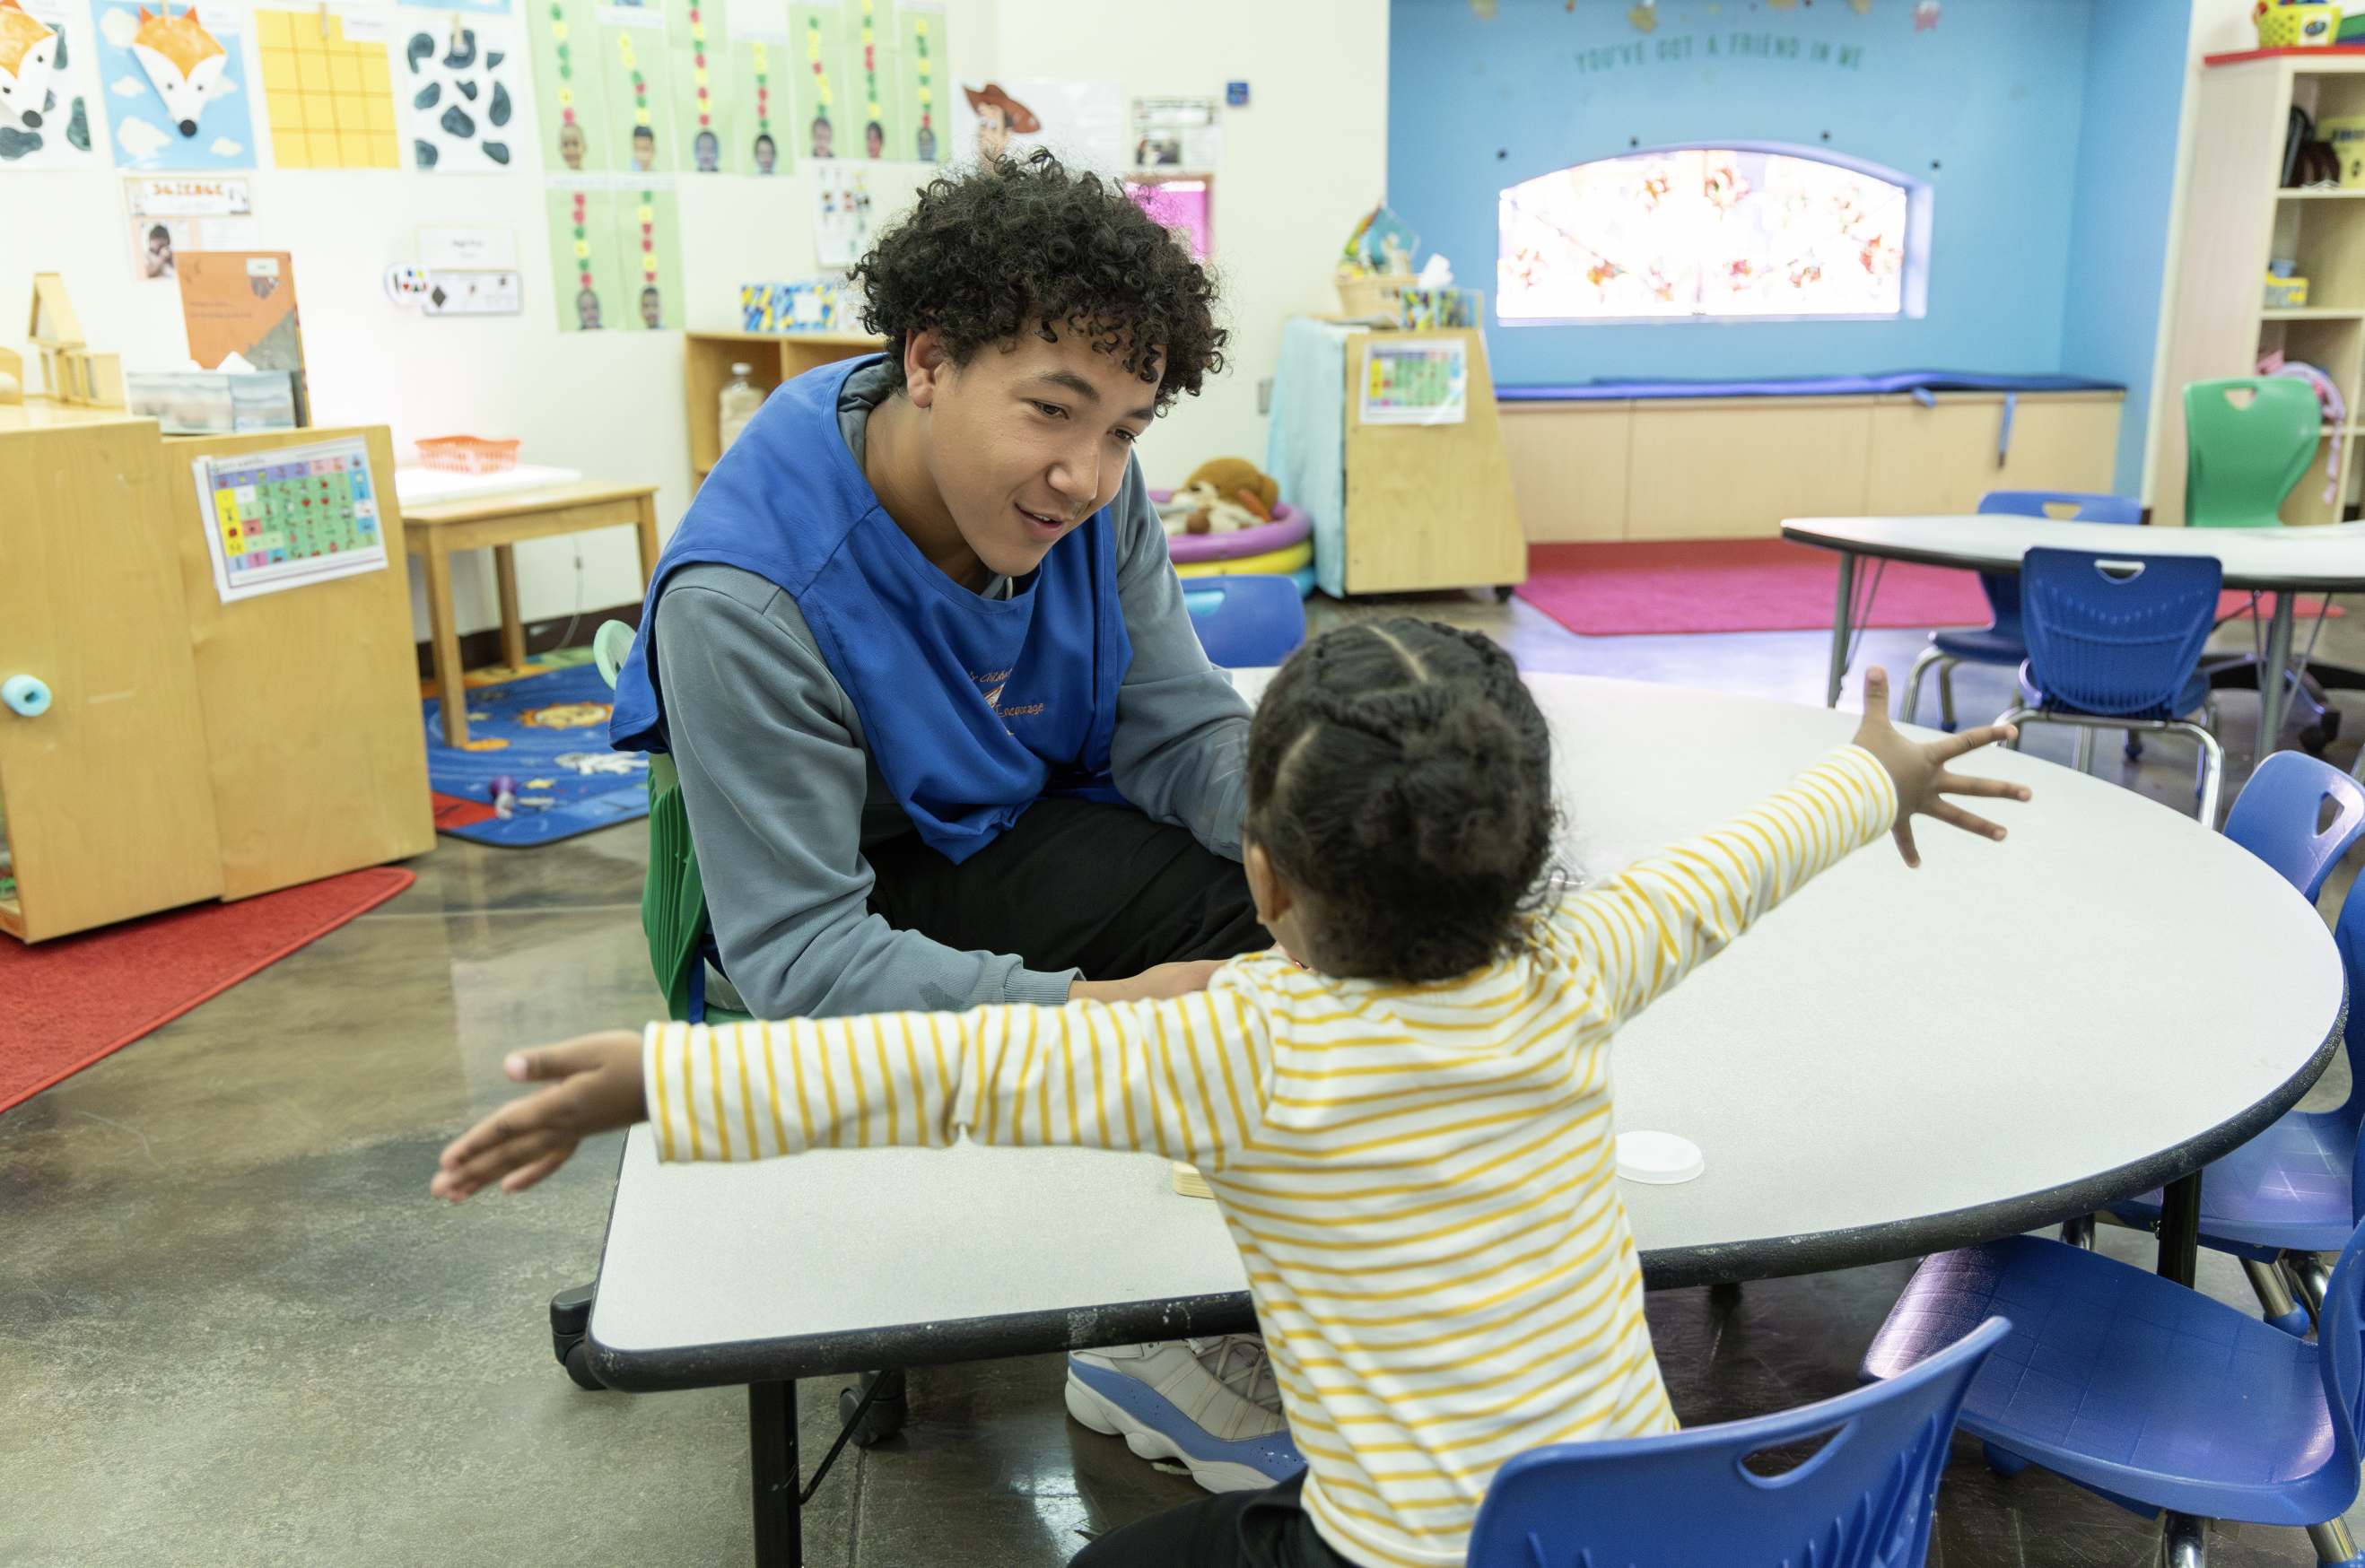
1420 1178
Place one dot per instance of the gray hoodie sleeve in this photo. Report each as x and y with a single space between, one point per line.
773 774
1181 744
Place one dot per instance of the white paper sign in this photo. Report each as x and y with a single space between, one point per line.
468 249
1421 381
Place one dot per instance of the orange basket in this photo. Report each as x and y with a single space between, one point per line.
468 455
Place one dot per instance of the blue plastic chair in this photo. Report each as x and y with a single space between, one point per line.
1246 621
1999 642
2115 643
2286 1196
1863 1500
2152 1394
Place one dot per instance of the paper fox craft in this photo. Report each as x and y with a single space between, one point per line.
182 62
27 47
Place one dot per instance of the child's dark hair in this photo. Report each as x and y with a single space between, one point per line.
1400 778
1019 245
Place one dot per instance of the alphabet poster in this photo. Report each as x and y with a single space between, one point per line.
174 84
461 87
44 111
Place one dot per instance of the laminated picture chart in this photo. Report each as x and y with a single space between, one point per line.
291 516
1421 383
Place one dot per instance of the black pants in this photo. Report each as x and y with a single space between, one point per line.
1074 884
1230 1529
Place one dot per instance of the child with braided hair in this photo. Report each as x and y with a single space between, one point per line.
1405 1117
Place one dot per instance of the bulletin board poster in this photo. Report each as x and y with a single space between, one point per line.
173 212
870 73
45 59
327 90
1083 122
817 38
174 86
1424 382
841 213
920 58
648 228
644 135
461 84
475 8
760 74
695 37
569 92
290 517
588 281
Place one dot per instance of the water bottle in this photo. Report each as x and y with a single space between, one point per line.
740 398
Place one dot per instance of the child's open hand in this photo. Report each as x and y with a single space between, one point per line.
595 1085
1920 772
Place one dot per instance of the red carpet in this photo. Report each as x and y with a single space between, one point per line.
1753 584
1731 584
75 999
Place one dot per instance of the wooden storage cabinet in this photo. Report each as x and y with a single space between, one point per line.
775 357
108 798
1735 468
2236 219
1430 506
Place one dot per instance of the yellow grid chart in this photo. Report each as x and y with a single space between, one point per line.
332 101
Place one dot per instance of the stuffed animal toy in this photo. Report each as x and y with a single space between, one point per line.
1230 475
1224 496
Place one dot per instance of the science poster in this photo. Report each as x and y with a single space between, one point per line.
920 58
760 73
461 84
696 38
817 38
174 84
873 106
45 110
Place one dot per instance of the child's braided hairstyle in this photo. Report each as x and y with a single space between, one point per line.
1400 778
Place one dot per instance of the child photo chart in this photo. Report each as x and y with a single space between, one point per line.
291 516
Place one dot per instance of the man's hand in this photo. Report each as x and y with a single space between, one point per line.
595 1085
1156 983
1920 772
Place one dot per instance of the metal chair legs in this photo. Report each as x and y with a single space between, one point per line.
2333 1543
1910 705
2078 1231
2308 1278
2183 1541
2275 1298
2211 762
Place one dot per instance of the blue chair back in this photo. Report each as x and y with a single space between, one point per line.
2118 635
2002 589
1863 1500
2340 1345
2274 818
1246 621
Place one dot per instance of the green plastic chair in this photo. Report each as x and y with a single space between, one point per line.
673 897
2244 454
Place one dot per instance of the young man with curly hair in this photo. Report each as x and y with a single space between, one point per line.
945 733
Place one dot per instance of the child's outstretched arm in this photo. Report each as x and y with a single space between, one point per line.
1177 1076
1641 931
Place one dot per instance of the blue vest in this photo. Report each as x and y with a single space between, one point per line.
974 708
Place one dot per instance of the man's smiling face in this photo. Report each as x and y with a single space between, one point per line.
1029 438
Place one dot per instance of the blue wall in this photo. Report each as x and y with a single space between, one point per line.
2035 220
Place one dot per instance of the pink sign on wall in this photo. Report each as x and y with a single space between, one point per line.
1184 205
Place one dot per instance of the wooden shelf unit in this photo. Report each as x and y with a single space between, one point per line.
773 356
2236 219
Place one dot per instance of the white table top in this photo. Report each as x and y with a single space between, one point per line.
1892 1062
2331 558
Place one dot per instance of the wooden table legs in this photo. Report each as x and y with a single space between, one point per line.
512 623
443 635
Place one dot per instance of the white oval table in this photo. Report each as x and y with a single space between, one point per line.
1891 1063
2285 560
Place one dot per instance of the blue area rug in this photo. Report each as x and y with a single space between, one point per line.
546 719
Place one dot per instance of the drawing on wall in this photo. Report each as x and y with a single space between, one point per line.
870 66
173 212
587 284
648 227
919 68
327 91
459 88
1082 122
640 101
841 214
569 99
816 33
759 87
700 94
174 84
44 114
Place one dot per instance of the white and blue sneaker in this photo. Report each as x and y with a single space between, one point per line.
1210 1404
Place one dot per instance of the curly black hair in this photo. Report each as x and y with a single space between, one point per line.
1400 778
1016 246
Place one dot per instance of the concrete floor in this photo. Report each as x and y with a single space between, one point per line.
234 1330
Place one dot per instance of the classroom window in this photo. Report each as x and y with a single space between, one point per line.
1753 233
